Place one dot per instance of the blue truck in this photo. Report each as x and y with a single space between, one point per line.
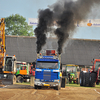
47 72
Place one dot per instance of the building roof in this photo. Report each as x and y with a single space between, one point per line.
76 51
23 47
81 52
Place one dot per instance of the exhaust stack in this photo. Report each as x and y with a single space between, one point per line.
59 57
37 55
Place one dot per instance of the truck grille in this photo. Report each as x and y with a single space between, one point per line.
47 75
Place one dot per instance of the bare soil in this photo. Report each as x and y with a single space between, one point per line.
26 92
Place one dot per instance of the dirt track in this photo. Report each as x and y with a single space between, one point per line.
68 93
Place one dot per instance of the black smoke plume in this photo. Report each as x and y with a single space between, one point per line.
66 13
45 20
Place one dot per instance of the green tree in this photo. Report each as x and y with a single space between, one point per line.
17 25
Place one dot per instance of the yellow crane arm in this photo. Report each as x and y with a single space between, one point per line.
2 42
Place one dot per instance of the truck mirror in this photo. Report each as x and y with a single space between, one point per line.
92 62
13 59
61 66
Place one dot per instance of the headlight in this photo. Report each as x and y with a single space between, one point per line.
56 80
37 80
5 75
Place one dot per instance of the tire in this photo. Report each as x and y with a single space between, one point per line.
14 79
81 78
25 80
84 79
35 86
97 83
77 81
59 86
39 87
61 82
92 79
87 79
19 79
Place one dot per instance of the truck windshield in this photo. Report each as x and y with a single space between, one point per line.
8 64
18 66
48 65
97 65
71 69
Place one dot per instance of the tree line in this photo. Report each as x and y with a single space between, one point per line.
17 25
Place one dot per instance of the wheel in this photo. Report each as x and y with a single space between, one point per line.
61 82
39 87
25 80
87 79
77 81
14 79
84 79
59 86
97 83
19 79
35 86
92 79
81 78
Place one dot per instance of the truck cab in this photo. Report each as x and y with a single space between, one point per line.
22 72
47 72
96 68
9 69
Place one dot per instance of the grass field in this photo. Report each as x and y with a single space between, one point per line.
24 83
78 85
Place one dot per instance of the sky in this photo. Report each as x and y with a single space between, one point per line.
29 9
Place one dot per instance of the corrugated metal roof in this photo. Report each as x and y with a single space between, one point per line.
76 51
81 52
23 47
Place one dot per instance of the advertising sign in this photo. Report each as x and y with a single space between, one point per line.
32 21
83 23
89 23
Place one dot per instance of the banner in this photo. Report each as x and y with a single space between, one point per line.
83 23
89 23
32 21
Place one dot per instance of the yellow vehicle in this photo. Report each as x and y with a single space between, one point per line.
7 65
2 44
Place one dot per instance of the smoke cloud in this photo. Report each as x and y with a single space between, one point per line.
66 13
45 20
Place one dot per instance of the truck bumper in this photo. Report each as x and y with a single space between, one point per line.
26 77
50 84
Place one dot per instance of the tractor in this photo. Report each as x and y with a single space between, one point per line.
92 77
